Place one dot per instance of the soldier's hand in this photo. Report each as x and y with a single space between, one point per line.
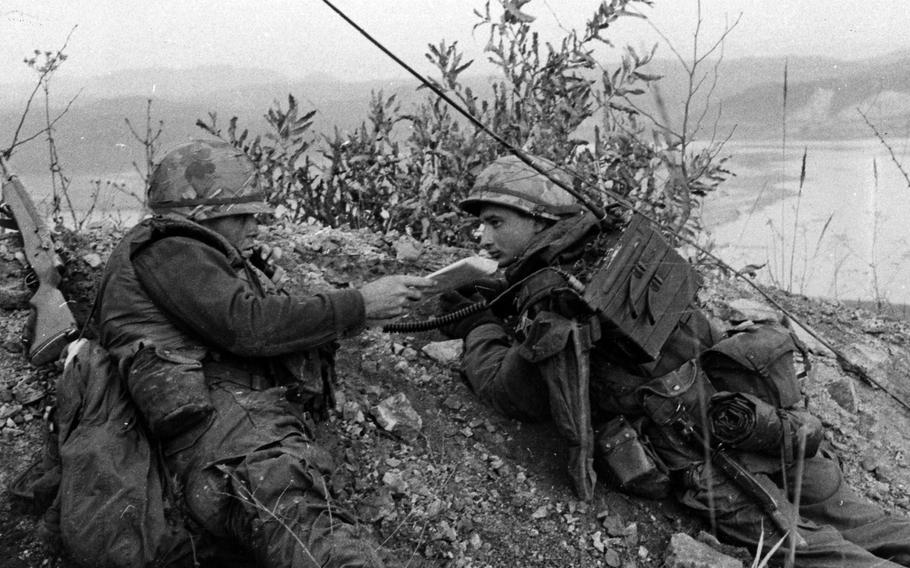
454 301
390 296
488 288
265 258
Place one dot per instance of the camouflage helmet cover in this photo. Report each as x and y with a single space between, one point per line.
206 179
510 182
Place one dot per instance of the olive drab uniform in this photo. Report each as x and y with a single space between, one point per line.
548 356
225 408
225 372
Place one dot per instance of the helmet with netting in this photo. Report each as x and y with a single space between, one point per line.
510 182
206 179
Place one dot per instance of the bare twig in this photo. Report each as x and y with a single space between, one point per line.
691 125
44 130
799 199
53 157
783 165
148 140
762 562
886 145
797 495
246 495
818 243
42 77
873 262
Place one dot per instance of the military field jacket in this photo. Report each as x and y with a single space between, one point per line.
501 376
177 285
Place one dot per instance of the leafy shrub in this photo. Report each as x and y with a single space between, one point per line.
543 99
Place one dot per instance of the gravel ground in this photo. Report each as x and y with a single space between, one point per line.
464 487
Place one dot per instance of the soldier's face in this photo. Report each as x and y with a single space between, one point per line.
239 230
507 232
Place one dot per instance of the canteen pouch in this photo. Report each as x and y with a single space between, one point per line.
621 454
168 386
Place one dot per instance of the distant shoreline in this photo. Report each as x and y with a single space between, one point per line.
729 204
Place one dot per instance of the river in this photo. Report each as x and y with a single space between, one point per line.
841 233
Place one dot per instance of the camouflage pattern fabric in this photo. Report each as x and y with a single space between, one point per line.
510 182
206 179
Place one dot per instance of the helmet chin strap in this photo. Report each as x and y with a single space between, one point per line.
177 203
206 178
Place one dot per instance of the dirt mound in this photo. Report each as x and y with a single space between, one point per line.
442 480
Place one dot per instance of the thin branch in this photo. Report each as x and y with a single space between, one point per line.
886 145
716 74
44 130
31 98
245 495
799 199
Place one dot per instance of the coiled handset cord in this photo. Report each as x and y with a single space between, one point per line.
459 314
439 321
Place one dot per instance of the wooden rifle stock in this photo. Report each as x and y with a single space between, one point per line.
51 324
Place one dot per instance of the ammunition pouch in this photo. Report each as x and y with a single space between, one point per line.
757 360
621 454
745 422
169 388
679 397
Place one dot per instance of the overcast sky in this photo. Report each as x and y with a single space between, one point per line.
298 37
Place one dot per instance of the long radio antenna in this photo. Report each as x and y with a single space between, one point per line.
517 152
844 361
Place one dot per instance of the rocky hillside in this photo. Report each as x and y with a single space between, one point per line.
439 478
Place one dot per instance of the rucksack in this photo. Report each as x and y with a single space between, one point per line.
758 407
115 508
758 359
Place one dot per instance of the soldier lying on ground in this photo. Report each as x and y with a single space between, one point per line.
224 370
652 427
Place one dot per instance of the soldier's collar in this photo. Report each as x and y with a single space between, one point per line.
561 242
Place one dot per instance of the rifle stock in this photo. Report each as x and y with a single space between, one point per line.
51 323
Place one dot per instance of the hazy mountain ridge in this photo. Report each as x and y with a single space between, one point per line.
828 107
822 97
93 136
149 82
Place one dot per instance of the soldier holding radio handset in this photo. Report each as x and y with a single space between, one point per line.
599 330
